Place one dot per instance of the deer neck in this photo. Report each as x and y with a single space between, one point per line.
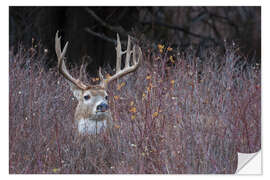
88 126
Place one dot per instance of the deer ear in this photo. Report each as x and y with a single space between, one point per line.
77 92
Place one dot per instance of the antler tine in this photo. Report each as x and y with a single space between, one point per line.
128 52
118 54
127 69
61 64
83 66
102 80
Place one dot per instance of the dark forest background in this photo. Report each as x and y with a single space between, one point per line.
91 31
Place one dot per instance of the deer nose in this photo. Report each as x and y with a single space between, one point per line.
102 107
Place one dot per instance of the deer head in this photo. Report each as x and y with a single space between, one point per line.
92 113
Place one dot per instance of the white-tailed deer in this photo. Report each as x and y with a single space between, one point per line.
92 113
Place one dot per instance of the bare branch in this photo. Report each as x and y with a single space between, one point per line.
179 29
118 29
101 36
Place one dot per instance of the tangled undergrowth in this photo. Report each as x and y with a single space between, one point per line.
176 114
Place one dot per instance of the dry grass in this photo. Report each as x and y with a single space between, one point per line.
174 115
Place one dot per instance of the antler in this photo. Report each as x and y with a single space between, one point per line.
61 64
128 68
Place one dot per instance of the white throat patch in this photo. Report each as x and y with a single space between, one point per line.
88 126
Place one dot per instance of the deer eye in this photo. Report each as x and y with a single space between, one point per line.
86 97
106 97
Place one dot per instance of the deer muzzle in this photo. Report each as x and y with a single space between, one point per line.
103 107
